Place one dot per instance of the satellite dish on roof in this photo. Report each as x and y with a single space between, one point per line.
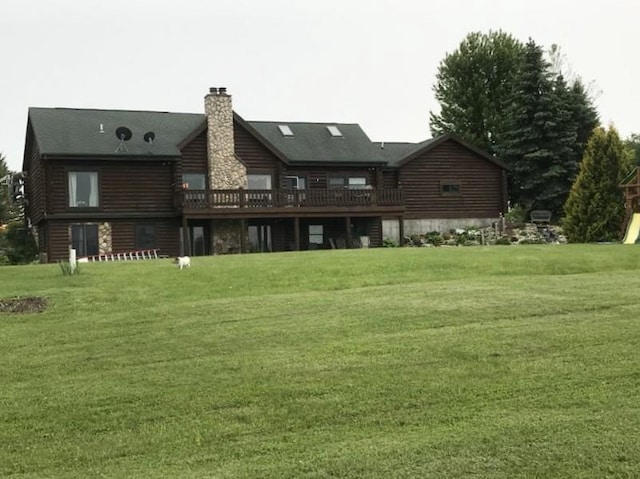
149 137
123 134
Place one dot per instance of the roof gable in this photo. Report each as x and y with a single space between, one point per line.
421 148
80 132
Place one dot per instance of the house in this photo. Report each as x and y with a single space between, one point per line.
104 181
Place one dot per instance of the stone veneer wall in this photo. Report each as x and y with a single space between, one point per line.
104 238
226 237
225 171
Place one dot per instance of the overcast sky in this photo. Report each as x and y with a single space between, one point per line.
371 62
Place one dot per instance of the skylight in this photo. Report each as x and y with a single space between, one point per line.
285 130
334 130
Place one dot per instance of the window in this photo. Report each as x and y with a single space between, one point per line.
450 188
296 182
259 238
259 182
337 182
197 241
316 235
352 182
194 181
83 189
84 239
334 130
357 183
145 236
285 130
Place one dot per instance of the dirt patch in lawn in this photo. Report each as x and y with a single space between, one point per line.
33 304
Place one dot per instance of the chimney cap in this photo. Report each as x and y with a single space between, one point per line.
218 90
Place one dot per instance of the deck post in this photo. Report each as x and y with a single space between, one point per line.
401 230
296 229
186 247
347 221
243 235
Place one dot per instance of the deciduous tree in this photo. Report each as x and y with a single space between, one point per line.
471 85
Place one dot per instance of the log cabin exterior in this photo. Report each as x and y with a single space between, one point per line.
214 183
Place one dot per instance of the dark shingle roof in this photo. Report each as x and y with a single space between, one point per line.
312 142
397 154
394 152
67 131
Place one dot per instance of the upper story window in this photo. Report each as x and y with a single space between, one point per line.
83 189
259 182
349 182
296 182
194 181
450 188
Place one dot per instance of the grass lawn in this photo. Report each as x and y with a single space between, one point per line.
496 362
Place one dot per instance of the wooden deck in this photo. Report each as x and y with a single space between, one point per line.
244 203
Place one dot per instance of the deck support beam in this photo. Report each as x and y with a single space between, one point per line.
186 244
347 225
243 236
296 229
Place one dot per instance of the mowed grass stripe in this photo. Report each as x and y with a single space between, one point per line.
490 375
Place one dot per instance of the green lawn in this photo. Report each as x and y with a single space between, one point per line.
496 362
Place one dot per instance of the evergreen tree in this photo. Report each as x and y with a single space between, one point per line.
471 84
6 204
539 135
595 207
633 146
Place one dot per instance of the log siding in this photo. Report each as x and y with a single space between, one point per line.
481 184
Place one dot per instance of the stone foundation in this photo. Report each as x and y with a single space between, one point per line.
391 227
417 227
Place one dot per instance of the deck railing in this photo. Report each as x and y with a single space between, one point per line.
241 198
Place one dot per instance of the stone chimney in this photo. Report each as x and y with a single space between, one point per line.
225 171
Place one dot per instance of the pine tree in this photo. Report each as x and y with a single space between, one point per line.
595 207
539 135
6 204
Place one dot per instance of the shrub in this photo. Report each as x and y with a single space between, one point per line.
503 241
389 243
434 238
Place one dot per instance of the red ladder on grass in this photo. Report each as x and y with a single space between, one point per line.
124 256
